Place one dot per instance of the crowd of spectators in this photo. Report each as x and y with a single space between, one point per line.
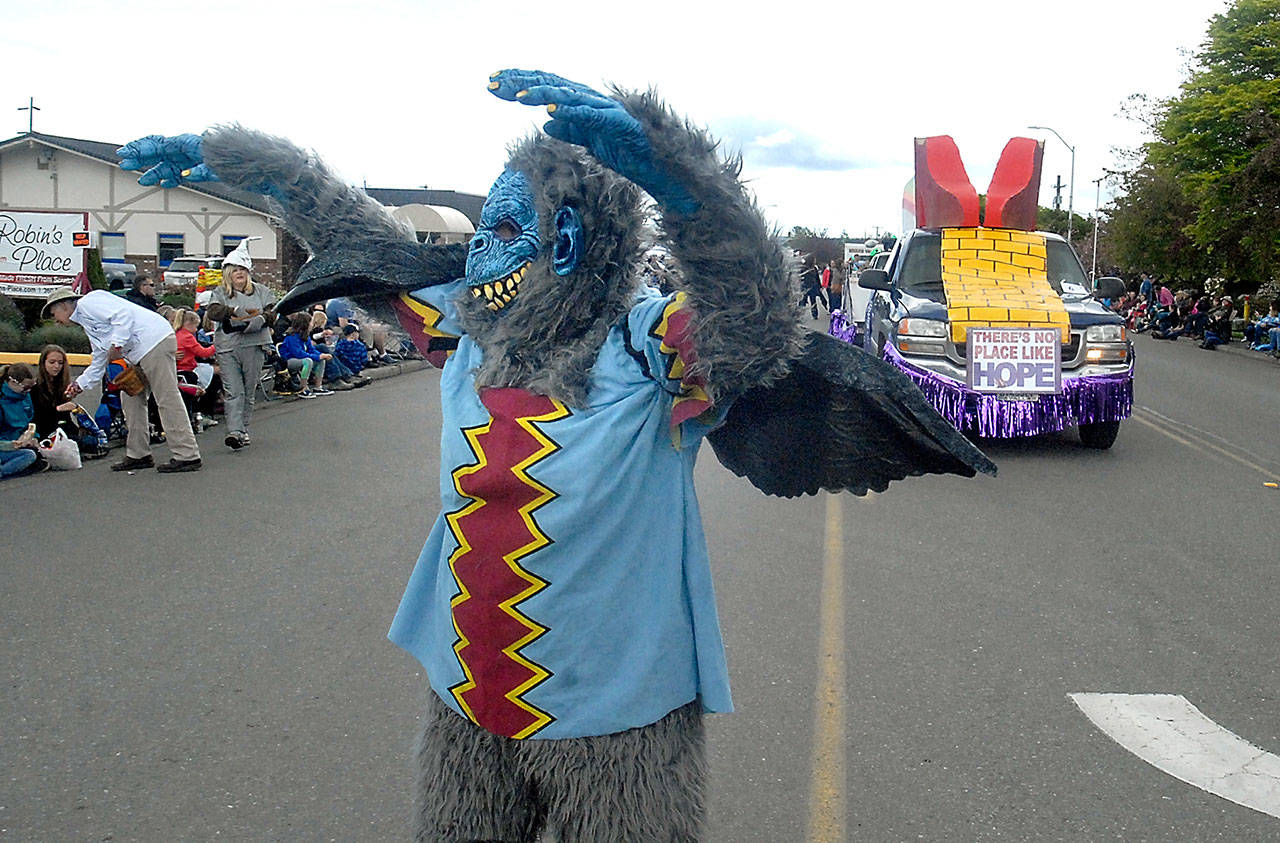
1195 315
220 356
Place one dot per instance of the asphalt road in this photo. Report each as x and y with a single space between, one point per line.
198 657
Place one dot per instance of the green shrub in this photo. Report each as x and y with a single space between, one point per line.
93 266
179 299
10 337
70 337
9 312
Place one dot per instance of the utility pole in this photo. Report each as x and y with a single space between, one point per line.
31 108
1057 194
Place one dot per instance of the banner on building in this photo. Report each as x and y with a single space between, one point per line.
42 250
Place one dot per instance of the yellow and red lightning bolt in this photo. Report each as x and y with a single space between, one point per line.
494 532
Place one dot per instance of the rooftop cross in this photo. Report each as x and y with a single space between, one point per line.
31 108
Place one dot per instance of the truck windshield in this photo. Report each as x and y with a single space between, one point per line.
921 274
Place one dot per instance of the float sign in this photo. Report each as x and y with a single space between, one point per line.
41 250
1015 360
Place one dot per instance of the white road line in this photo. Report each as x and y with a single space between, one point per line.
1173 736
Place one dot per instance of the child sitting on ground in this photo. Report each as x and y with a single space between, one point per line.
303 358
352 352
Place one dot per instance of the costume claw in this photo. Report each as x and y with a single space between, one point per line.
520 94
493 86
551 109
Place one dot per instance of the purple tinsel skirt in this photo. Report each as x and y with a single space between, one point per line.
1083 400
843 329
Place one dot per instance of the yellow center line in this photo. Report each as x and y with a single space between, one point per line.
1199 444
826 800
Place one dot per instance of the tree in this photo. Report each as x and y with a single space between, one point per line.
1202 198
1218 140
1148 229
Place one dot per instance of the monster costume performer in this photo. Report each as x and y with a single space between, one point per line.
563 605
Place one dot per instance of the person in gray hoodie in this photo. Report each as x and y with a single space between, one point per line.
241 310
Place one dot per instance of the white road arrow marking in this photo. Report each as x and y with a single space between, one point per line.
1173 735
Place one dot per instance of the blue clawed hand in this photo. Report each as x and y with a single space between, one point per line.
582 116
168 162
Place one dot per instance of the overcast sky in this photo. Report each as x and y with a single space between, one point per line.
822 99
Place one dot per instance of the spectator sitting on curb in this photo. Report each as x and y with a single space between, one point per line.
341 312
1256 333
1217 329
49 401
336 375
303 358
353 353
20 454
16 422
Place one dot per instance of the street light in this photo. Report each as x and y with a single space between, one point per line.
1097 198
1071 185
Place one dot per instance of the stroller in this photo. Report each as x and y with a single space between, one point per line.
92 438
110 415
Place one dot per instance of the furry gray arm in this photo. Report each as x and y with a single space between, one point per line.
313 204
747 324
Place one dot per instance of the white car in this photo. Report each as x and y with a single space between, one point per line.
183 271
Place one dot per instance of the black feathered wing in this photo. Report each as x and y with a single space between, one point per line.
840 420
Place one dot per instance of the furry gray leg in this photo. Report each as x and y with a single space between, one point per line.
469 784
643 784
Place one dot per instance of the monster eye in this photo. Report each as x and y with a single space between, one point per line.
506 230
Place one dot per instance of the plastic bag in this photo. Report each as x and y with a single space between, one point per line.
60 451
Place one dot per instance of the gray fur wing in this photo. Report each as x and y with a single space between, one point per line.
316 206
366 273
840 420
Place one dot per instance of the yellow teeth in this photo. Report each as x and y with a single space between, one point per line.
498 294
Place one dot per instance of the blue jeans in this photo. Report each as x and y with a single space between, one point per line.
1211 339
15 462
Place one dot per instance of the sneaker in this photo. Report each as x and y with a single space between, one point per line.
322 390
341 385
179 465
361 380
210 421
130 463
233 441
306 393
244 440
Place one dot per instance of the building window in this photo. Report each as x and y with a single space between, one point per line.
170 246
111 246
229 243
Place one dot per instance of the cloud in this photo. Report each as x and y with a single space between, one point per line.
765 143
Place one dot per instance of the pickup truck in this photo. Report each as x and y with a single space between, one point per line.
922 312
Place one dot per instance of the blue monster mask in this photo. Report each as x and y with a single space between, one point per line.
507 241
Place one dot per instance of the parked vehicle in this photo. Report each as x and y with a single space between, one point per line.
184 270
857 298
121 272
194 271
908 323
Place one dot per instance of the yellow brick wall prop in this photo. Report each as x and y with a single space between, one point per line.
997 278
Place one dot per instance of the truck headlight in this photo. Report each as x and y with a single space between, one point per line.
1104 333
927 337
922 328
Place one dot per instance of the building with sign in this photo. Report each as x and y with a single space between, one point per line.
150 226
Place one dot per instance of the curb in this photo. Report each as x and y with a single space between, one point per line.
395 369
